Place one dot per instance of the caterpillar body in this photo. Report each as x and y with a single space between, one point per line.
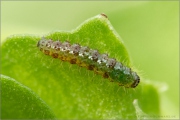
91 59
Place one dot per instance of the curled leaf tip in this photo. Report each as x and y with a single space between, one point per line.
104 15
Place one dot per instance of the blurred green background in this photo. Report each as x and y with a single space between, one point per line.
150 31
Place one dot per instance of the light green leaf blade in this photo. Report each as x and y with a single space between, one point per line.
19 102
70 91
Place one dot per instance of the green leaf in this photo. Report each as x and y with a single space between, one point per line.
71 91
18 101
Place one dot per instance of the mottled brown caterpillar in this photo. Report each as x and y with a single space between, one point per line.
91 59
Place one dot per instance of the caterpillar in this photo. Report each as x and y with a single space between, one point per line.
91 59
